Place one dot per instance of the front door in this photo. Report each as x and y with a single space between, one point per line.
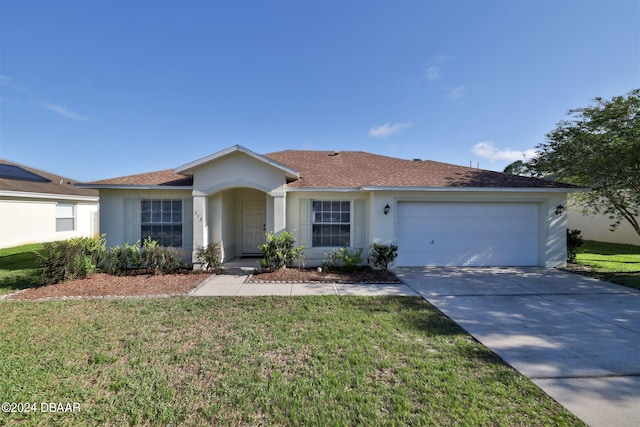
253 226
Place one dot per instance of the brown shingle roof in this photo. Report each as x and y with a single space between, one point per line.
164 177
354 169
55 184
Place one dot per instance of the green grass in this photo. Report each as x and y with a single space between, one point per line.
18 268
611 261
258 361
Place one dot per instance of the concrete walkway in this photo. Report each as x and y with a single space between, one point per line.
577 338
236 285
234 282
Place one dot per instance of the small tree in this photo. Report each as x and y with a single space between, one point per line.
381 255
599 148
574 241
279 251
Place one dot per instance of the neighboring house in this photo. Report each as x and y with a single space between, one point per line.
598 228
437 213
37 206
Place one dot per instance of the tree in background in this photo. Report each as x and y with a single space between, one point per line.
517 168
598 148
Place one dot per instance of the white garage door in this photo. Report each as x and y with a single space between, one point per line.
474 234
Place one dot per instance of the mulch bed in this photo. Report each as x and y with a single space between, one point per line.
310 275
101 285
104 285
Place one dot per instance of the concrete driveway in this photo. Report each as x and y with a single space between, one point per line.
577 338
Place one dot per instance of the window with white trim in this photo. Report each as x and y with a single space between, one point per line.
331 223
65 217
161 219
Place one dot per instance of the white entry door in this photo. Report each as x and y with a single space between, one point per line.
253 226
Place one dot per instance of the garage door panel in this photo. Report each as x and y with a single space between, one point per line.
467 234
470 225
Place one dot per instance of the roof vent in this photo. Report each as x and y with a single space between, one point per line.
333 153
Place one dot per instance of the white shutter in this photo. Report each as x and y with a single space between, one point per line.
305 227
131 220
358 224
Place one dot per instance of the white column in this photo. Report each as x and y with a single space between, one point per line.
200 228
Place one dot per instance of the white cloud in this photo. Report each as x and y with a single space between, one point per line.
456 92
62 111
441 59
388 129
488 150
433 73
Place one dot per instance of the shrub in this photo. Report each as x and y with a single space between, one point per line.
349 258
150 256
210 257
381 255
279 251
160 259
70 259
121 258
574 241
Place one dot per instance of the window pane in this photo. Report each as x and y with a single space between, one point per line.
64 210
64 224
331 223
176 236
161 220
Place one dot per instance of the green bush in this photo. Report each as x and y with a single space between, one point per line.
381 255
119 259
279 251
70 259
150 256
574 241
350 258
210 257
160 259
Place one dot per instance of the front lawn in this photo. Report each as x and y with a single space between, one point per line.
611 261
18 268
258 361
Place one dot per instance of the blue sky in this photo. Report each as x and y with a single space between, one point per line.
94 90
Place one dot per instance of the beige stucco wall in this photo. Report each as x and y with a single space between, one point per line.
596 227
302 232
113 214
382 228
237 170
24 220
